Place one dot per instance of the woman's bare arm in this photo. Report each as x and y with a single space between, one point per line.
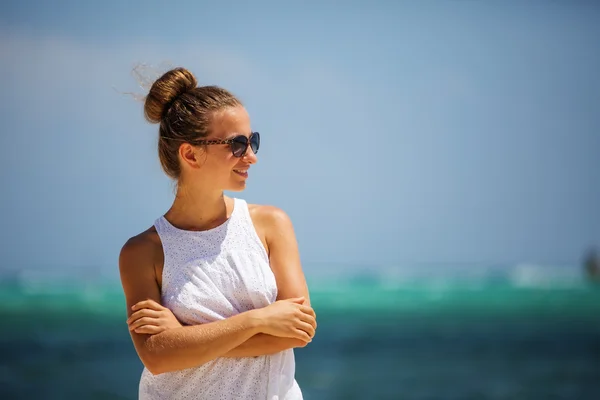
263 344
274 225
284 256
189 346
178 348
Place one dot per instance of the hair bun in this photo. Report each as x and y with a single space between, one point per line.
165 90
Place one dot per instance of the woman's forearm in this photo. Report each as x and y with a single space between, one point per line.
262 344
191 346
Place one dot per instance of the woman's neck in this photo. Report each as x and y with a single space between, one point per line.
196 209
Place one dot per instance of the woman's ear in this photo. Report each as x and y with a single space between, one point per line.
190 155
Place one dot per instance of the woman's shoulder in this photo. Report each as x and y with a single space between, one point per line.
143 246
271 223
269 217
267 212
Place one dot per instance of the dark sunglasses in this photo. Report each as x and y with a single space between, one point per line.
239 144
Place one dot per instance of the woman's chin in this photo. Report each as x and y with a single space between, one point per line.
237 187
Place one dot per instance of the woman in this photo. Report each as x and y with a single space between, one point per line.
215 292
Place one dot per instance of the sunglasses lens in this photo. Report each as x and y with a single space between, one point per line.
255 142
239 145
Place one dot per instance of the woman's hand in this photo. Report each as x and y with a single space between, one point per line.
288 318
151 318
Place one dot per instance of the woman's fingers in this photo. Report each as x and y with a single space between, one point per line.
145 312
309 315
309 319
149 329
151 304
308 310
308 328
300 334
143 321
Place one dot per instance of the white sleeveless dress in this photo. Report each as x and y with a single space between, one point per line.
212 275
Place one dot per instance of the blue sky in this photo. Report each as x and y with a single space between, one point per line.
392 133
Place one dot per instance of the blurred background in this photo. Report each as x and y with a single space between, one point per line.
440 162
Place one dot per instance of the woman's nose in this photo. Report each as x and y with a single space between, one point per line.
250 156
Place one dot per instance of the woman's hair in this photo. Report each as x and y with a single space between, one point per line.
184 112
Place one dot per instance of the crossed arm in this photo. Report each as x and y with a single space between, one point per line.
179 347
150 317
262 344
284 259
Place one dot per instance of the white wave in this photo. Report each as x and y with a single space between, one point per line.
443 277
538 276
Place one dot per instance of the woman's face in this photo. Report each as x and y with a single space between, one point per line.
214 165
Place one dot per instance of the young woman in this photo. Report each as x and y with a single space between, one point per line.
216 296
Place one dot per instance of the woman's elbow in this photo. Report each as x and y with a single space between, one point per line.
159 363
152 363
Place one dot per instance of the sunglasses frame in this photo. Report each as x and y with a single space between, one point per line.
231 141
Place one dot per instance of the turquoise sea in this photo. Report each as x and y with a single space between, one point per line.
421 332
